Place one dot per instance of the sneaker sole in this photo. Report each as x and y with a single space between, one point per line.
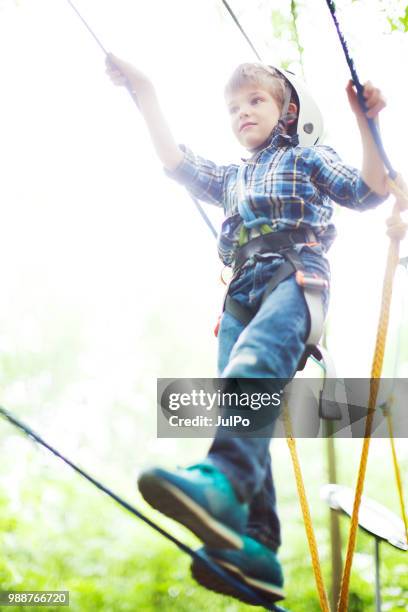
210 580
172 502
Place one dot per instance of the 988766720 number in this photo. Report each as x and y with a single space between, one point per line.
34 598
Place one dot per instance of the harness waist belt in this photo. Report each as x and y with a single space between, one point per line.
272 243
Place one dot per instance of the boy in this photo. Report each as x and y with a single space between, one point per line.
278 207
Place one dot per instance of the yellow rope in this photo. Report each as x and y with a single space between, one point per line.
397 471
396 231
399 190
314 553
396 227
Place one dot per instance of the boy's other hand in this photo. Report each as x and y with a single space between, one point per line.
122 73
374 99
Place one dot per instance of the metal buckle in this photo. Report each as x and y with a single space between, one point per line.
311 281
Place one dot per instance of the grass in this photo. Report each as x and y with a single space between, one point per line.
57 532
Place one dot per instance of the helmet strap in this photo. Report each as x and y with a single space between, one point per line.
287 118
286 102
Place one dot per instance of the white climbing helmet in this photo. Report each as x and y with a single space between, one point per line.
309 125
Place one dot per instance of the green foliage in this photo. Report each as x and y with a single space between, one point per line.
284 26
399 23
57 532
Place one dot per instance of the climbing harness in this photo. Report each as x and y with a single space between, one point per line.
283 243
237 584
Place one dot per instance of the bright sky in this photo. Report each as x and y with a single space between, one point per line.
90 222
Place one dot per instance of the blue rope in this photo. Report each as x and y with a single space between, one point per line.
257 222
216 569
359 87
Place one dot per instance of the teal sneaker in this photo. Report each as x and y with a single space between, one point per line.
200 497
255 564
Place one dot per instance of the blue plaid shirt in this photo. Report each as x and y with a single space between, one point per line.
292 186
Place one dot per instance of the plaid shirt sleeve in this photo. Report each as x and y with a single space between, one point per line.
342 183
203 179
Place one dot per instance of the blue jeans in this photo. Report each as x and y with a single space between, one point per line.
269 347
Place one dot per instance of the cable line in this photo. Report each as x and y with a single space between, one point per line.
204 216
241 29
92 33
122 502
133 96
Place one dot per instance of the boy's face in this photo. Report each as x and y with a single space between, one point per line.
254 113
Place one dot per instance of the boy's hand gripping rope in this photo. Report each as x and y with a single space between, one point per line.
395 182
